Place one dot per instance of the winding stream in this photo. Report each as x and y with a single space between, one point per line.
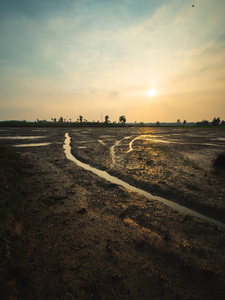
127 186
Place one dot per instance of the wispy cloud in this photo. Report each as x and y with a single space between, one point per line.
108 53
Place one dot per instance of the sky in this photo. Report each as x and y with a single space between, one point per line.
150 60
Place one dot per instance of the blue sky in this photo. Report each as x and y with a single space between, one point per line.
92 58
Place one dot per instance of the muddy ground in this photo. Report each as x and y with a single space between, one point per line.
87 238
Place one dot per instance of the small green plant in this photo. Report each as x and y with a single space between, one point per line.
91 275
86 283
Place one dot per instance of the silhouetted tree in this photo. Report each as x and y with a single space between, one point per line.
205 122
122 119
61 119
106 119
178 122
184 122
81 118
216 121
222 123
157 123
202 123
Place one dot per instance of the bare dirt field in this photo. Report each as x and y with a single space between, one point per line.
88 238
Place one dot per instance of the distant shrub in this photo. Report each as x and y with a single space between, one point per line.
216 121
219 162
202 123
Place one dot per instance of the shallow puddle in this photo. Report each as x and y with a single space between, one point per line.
127 186
21 137
32 145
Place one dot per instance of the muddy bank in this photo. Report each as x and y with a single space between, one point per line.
172 163
87 238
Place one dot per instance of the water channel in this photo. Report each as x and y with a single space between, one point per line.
115 180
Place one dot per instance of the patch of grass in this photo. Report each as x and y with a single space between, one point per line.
13 272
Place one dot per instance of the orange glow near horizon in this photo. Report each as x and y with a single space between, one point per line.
150 62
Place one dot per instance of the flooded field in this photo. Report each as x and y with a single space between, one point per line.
141 247
175 163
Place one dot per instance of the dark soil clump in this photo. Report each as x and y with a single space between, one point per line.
219 162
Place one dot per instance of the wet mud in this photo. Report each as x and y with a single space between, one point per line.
87 238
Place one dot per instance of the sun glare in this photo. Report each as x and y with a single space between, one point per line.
151 93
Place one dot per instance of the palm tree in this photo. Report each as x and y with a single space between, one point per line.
106 119
122 119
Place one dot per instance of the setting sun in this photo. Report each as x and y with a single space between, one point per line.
151 93
148 62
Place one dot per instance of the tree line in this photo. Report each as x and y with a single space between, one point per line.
215 122
80 119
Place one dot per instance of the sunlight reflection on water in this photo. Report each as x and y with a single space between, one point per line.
32 145
21 137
